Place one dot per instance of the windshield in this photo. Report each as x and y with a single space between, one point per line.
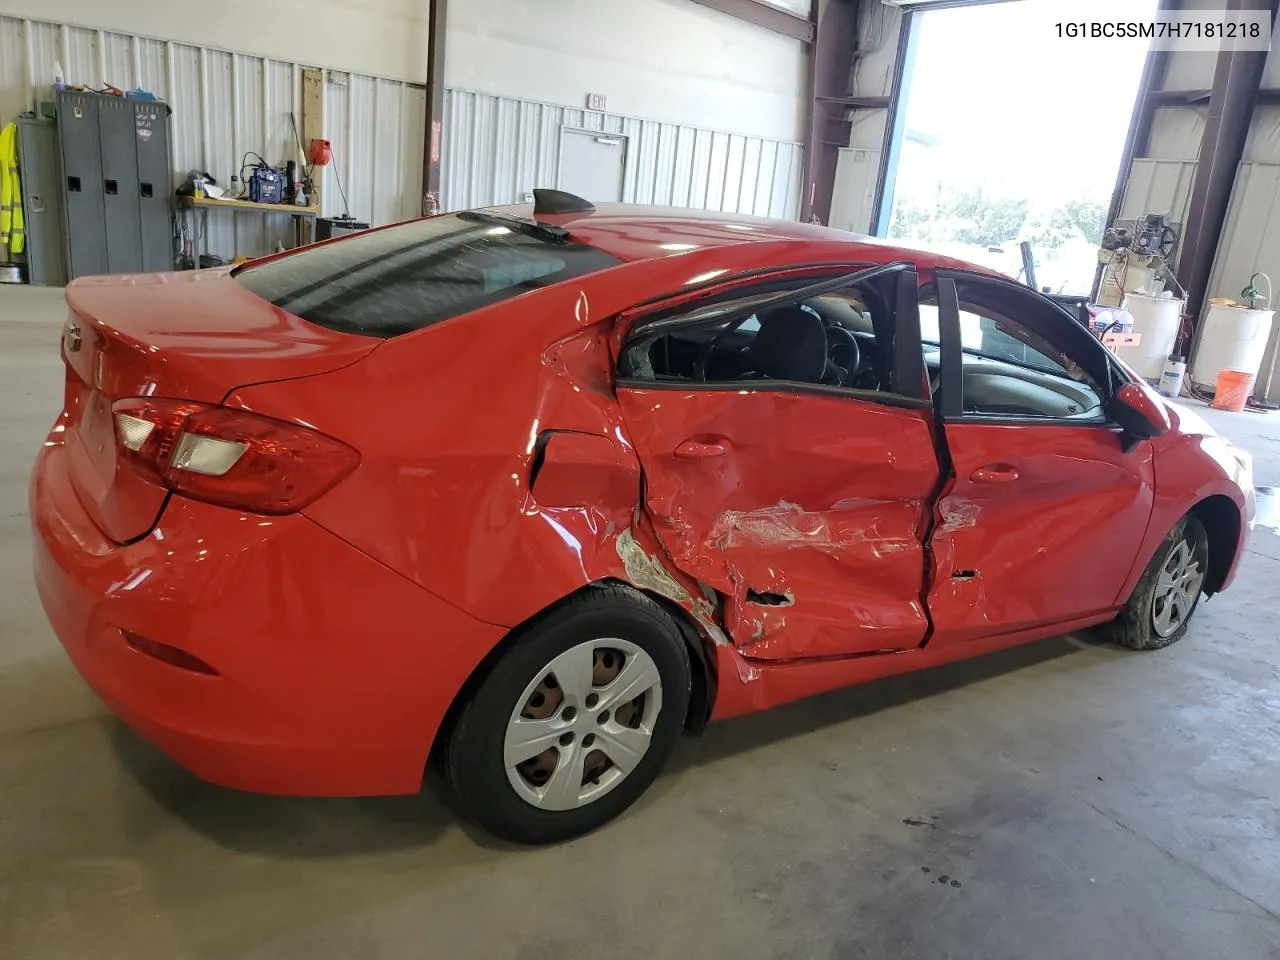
402 278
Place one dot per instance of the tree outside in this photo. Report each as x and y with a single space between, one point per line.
973 220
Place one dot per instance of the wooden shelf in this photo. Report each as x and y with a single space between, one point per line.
284 209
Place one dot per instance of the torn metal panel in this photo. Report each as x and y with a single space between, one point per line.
836 534
645 571
958 514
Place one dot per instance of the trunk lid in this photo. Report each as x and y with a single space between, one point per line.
190 336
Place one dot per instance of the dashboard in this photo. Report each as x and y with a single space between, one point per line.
996 388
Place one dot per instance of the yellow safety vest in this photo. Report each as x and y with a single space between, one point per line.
12 233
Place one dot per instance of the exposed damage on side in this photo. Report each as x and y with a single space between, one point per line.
646 571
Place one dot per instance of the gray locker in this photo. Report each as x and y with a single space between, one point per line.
42 201
120 185
117 182
155 183
79 135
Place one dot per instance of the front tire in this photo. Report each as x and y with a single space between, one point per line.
1159 612
574 722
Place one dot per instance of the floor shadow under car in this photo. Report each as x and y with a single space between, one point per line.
294 827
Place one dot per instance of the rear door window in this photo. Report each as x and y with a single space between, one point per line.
392 281
837 333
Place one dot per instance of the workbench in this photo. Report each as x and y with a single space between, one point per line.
205 204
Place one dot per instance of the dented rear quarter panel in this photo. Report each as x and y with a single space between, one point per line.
447 421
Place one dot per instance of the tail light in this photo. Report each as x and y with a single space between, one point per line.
229 457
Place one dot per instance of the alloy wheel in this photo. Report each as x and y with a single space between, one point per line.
1177 589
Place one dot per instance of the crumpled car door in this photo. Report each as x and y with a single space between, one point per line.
804 510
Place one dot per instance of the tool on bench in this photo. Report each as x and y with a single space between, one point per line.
266 185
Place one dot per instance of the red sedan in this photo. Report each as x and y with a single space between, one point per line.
533 490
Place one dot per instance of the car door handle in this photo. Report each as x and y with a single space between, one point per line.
994 473
697 450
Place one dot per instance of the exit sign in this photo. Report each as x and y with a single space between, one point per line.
595 101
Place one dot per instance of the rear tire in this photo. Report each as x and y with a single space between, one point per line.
1160 610
574 722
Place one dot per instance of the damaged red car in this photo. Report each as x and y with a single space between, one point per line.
531 490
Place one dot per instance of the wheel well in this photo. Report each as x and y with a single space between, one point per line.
1220 518
701 661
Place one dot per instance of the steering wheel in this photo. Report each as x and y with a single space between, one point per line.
843 351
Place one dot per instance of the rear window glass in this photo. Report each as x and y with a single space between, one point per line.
393 281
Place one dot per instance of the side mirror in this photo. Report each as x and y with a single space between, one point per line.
1138 413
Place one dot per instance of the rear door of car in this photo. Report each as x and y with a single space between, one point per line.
1045 510
804 505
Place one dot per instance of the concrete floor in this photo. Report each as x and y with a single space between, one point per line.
1066 799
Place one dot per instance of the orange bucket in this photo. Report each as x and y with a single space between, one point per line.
1233 390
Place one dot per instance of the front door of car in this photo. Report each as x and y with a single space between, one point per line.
1042 519
788 456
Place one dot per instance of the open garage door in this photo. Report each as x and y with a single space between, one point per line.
1003 130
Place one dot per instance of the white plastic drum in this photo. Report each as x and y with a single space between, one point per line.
1157 320
1234 338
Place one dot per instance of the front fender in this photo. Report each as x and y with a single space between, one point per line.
1190 468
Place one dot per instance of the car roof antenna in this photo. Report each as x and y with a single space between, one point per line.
558 201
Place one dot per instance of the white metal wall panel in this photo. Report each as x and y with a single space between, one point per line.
46 50
15 87
218 142
337 175
384 199
1158 186
153 67
360 171
1251 240
116 67
1190 70
1176 133
857 171
1264 135
413 112
226 103
81 61
1271 75
498 149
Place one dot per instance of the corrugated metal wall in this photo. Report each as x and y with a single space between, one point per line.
1251 241
1158 186
1161 181
225 104
498 149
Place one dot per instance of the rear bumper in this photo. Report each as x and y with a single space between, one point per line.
333 672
